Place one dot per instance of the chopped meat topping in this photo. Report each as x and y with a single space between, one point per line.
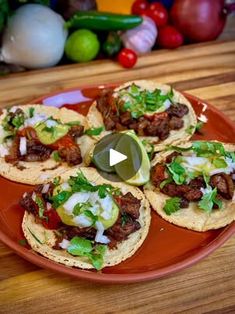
224 184
76 130
72 155
158 125
158 174
129 204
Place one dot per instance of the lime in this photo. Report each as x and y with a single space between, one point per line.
137 162
102 150
82 46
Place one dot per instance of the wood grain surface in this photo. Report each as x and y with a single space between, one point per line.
205 70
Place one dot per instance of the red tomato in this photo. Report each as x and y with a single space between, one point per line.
127 58
53 219
65 141
139 6
157 13
169 37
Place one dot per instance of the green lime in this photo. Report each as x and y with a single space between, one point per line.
137 162
82 46
102 150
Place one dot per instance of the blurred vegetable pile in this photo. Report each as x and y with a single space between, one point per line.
42 33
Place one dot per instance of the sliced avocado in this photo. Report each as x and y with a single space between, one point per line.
48 135
65 218
110 222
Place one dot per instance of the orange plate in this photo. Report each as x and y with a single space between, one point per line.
167 248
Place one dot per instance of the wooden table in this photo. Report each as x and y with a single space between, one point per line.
205 70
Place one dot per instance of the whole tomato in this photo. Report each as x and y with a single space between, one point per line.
158 13
139 7
127 58
169 37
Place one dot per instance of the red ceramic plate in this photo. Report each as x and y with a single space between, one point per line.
167 248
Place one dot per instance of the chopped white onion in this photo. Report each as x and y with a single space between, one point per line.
204 107
45 176
37 118
64 244
51 123
34 196
82 221
167 104
76 198
100 237
13 109
206 190
23 146
3 151
45 188
65 186
25 194
48 206
202 118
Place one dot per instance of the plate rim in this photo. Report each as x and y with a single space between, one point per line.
110 278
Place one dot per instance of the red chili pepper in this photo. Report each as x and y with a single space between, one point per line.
52 220
127 58
157 13
139 7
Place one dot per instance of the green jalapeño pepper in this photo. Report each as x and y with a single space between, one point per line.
103 21
112 45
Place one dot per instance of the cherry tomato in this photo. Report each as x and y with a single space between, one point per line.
127 58
52 220
169 37
139 6
157 13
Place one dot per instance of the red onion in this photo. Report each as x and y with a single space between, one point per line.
200 20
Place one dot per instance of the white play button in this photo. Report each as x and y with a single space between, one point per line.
115 157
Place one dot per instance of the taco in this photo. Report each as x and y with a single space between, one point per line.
192 185
82 220
159 114
39 142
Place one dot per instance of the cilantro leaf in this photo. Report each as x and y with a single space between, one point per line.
177 171
18 120
190 129
230 155
165 182
56 156
60 198
89 214
94 131
56 181
72 123
172 205
41 207
84 247
199 126
208 200
178 149
208 149
31 112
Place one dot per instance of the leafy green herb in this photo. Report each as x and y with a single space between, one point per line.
90 215
40 204
190 129
178 149
219 163
230 155
81 207
31 112
94 131
84 247
60 198
56 181
56 156
165 182
141 101
80 183
177 171
72 123
22 242
208 149
18 120
199 125
208 200
35 237
149 147
172 205
124 219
